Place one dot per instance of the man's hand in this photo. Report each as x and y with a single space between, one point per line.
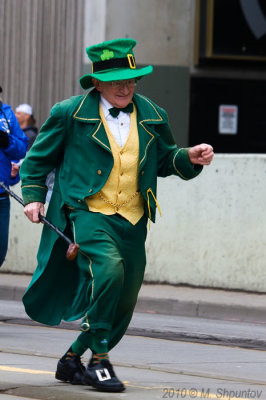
201 154
14 170
32 211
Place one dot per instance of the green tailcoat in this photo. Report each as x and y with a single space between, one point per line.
74 143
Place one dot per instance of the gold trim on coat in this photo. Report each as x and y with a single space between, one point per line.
148 120
98 140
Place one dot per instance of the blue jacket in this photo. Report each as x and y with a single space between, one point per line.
17 148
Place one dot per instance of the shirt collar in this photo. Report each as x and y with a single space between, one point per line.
105 106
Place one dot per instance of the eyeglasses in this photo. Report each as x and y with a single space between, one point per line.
120 84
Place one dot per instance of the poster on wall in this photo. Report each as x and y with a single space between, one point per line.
228 118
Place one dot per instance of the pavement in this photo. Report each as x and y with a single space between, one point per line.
232 318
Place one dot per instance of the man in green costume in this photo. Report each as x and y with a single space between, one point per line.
107 148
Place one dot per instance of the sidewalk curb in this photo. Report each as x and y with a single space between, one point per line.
13 293
201 309
177 307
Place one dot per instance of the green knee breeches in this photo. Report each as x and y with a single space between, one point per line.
113 251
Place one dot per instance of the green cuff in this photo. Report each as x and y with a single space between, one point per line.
34 192
183 166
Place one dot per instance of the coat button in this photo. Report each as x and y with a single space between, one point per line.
142 173
99 172
90 190
79 201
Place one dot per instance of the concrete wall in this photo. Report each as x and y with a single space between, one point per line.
24 240
163 29
212 232
213 229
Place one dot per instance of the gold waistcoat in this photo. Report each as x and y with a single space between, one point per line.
120 193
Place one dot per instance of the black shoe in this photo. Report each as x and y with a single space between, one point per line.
71 370
102 377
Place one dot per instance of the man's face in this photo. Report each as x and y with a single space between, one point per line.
118 93
22 118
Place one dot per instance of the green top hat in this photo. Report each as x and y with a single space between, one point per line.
112 61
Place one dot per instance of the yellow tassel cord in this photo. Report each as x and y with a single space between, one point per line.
149 208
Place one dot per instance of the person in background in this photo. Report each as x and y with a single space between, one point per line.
26 120
24 114
107 148
13 146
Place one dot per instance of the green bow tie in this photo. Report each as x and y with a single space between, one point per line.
115 111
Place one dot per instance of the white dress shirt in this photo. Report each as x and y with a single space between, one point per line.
119 126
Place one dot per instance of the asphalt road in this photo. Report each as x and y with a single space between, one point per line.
151 368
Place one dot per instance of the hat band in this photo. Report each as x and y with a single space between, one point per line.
123 62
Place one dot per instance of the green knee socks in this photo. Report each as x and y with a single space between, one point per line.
96 341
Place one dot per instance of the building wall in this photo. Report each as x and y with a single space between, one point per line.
163 29
228 68
41 45
164 32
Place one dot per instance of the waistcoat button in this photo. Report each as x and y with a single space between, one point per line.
99 172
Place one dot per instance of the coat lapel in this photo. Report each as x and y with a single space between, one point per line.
88 113
147 116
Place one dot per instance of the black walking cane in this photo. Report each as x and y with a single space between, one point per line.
73 248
